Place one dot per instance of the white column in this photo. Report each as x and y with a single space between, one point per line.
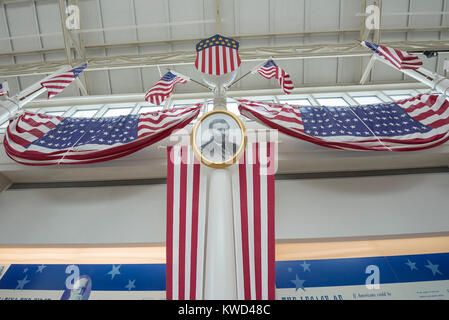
220 277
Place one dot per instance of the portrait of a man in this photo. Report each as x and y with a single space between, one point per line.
221 144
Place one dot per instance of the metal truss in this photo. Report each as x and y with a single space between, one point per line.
246 54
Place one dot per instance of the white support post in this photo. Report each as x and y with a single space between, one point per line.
5 183
431 79
368 68
220 278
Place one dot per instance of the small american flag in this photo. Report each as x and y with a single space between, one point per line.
58 83
38 139
217 55
417 123
3 88
397 58
164 87
270 70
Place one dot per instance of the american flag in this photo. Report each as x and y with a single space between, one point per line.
411 124
38 139
270 70
164 87
217 55
3 88
186 223
253 201
61 81
397 58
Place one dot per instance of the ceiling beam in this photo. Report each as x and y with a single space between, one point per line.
303 90
246 54
194 40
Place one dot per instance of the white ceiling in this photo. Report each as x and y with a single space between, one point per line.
27 26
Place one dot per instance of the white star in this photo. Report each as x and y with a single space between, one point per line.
432 267
21 283
305 266
130 285
412 265
115 271
41 268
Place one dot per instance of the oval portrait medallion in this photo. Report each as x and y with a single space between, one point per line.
218 138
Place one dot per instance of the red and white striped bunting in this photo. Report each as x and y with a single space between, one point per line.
253 187
186 219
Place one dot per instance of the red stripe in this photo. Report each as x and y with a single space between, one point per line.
270 218
194 241
225 63
169 234
182 223
244 226
231 58
217 60
257 222
203 60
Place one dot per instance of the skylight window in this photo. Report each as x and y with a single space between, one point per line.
367 100
298 102
332 102
84 113
397 97
115 112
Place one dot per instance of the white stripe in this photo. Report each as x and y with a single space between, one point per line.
188 246
201 232
200 60
214 60
264 218
250 196
234 55
176 198
207 52
221 58
228 60
238 231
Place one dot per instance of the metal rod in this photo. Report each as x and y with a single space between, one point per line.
197 82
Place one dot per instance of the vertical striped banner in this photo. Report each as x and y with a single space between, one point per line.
253 202
186 217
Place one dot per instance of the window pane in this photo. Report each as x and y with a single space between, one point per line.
149 109
84 113
55 113
397 97
117 112
367 100
332 102
299 102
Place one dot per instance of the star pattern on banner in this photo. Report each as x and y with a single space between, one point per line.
40 268
130 285
115 271
433 268
305 266
298 283
412 265
22 283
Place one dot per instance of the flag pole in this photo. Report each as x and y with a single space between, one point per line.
431 79
16 102
188 78
250 71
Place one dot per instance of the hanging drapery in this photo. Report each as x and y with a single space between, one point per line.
417 123
38 139
186 223
253 202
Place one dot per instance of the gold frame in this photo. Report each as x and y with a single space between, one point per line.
218 165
